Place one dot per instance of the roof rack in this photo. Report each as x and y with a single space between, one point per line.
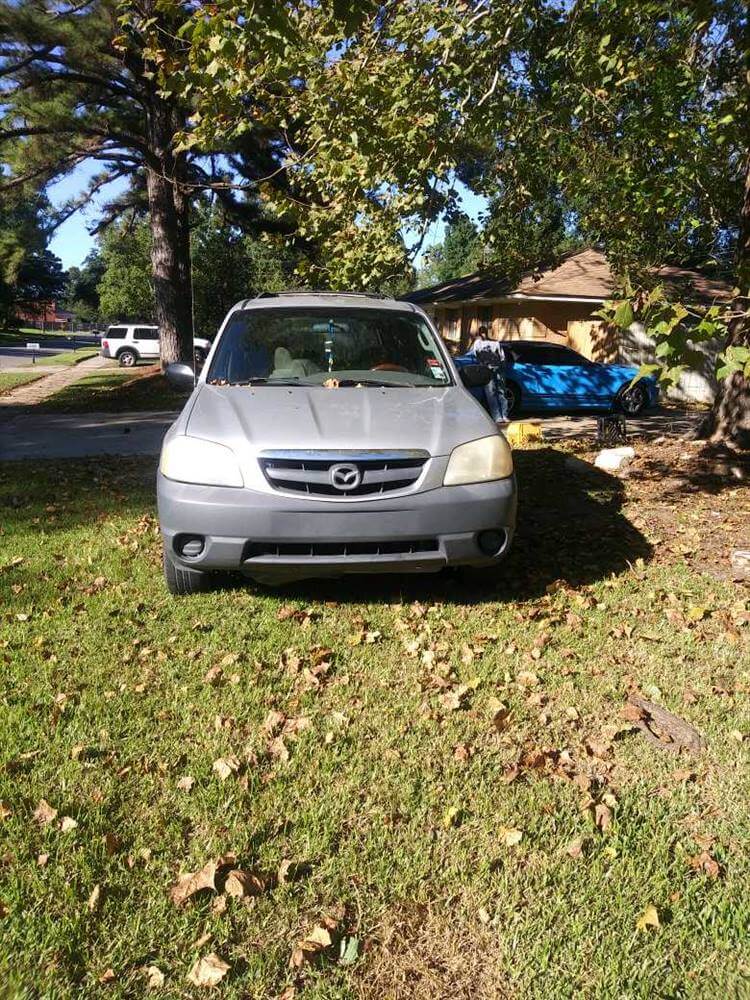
321 291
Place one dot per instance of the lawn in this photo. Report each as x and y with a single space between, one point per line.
11 380
429 787
67 358
117 390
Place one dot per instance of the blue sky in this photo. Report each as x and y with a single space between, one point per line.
72 240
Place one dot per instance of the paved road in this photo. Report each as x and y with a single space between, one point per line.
12 356
25 435
77 435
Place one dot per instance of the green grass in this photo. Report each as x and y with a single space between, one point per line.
116 391
67 358
11 380
397 835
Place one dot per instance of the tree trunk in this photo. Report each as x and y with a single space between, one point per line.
170 249
728 423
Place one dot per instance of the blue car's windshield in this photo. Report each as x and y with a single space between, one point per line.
313 346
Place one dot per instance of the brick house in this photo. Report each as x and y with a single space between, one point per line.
558 304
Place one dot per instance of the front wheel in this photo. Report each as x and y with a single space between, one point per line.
512 398
181 581
633 401
127 358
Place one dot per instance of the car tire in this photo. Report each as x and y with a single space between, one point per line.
181 581
127 358
513 398
633 401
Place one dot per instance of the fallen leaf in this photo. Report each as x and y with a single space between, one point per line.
703 862
649 918
42 860
186 783
243 883
224 766
154 977
451 816
509 836
527 679
208 971
94 899
44 814
5 810
191 882
213 676
575 848
348 950
67 823
484 916
108 976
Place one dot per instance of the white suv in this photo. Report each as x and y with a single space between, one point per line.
133 342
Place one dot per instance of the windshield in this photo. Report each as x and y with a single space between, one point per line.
327 347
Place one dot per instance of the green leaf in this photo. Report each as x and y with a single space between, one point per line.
624 315
348 950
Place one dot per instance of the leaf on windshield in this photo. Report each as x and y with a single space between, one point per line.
331 383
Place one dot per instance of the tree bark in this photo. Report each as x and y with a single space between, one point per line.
728 423
170 232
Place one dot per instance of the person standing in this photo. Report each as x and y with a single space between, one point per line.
489 352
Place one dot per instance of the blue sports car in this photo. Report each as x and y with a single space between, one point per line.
545 376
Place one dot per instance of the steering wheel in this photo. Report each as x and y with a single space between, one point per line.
387 366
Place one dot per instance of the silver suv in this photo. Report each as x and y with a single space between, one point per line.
134 342
331 434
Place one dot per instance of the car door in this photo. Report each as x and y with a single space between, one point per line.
146 341
568 380
520 367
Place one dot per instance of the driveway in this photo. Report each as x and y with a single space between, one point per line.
25 434
77 435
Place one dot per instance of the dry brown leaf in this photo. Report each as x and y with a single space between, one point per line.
5 810
154 977
95 899
224 766
575 848
703 862
649 918
240 884
213 676
67 823
44 814
208 971
602 816
510 836
527 679
191 882
108 976
273 722
186 783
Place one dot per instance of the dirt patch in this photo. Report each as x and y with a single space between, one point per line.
427 953
690 503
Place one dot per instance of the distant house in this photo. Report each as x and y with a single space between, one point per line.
558 304
43 315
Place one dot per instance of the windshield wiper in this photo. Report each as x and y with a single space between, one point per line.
378 383
259 380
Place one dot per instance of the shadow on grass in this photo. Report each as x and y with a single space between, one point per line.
570 527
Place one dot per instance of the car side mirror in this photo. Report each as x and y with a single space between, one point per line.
180 377
474 376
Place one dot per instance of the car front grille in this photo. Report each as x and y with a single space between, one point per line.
322 550
310 473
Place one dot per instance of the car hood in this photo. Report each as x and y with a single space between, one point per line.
626 371
253 419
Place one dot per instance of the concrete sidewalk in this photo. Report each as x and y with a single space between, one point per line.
78 435
36 392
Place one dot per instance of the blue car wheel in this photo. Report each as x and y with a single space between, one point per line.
633 401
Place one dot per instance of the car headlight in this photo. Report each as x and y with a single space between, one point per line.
193 460
479 462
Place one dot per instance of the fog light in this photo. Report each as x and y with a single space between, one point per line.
490 542
190 545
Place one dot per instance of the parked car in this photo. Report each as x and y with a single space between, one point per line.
545 376
134 342
331 434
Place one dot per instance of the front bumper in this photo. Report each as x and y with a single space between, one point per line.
274 537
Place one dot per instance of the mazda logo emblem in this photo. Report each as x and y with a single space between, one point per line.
344 477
